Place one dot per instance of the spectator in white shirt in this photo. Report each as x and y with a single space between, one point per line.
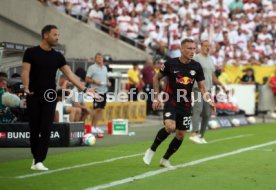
247 25
60 5
174 46
253 52
241 39
119 6
264 35
95 16
218 37
196 30
86 7
267 5
173 27
193 3
232 33
207 14
132 30
162 5
131 6
157 41
221 8
272 11
123 21
159 19
75 8
268 47
221 12
144 7
188 20
101 4
187 34
151 26
272 60
175 4
259 46
249 5
196 14
217 60
170 14
207 34
183 11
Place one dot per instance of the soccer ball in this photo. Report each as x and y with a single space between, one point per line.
10 100
213 124
251 120
235 122
273 115
89 139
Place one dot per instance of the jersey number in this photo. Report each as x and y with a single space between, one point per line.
187 120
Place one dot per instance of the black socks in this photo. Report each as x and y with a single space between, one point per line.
160 137
173 147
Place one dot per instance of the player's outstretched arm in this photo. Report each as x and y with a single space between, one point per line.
72 77
76 81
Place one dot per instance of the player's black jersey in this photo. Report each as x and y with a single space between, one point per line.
180 81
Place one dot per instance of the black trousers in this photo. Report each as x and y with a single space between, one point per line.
41 116
147 88
133 93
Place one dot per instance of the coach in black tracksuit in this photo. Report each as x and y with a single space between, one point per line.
40 64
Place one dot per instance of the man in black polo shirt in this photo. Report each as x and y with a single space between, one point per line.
181 74
40 64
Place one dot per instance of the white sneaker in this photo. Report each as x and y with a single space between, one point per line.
148 156
100 130
165 163
39 166
195 139
203 141
33 165
94 130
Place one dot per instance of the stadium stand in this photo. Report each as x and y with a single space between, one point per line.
243 32
79 40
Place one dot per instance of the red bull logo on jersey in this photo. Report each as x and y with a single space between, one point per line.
185 80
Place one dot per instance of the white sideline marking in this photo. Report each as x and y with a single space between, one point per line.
105 161
77 166
156 172
230 138
266 150
116 151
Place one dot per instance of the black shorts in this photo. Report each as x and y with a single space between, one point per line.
100 103
182 118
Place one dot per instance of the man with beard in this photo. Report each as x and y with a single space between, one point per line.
40 64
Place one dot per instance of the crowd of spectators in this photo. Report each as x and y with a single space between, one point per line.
242 31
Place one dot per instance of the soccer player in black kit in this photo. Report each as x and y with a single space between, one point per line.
181 74
40 64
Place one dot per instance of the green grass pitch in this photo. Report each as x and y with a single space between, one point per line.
117 158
